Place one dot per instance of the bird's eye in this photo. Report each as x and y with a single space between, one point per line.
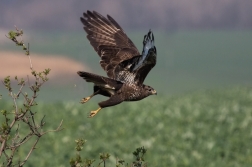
150 90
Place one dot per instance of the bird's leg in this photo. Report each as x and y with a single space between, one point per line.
86 99
93 113
113 100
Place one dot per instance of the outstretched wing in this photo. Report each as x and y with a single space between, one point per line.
141 65
110 42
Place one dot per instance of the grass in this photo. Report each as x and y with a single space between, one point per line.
202 128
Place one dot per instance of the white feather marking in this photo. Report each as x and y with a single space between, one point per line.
109 87
112 92
106 86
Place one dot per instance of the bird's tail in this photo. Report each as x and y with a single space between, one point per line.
100 80
89 77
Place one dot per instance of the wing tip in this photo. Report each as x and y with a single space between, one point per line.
149 36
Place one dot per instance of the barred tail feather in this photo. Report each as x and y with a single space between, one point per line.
100 80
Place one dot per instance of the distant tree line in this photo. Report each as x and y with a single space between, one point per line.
161 14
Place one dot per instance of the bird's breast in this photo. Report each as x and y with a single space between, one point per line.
131 92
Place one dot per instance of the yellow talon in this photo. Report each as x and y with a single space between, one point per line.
93 113
84 100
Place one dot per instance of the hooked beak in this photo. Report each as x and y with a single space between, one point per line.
154 92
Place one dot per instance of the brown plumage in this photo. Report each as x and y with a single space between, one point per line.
125 67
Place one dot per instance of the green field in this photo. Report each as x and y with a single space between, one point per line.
204 128
202 115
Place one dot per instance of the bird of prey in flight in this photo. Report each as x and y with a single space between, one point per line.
126 68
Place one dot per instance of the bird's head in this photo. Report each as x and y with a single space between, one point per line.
149 90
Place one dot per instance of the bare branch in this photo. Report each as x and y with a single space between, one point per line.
2 147
23 113
20 89
56 130
28 54
24 140
11 157
28 155
15 103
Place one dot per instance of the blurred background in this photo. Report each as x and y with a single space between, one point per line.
201 44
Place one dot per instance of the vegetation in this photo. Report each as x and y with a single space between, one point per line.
200 128
205 128
13 135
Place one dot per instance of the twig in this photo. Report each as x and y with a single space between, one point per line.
28 54
15 103
28 155
56 130
11 157
24 140
2 147
21 87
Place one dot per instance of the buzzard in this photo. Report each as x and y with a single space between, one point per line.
126 68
